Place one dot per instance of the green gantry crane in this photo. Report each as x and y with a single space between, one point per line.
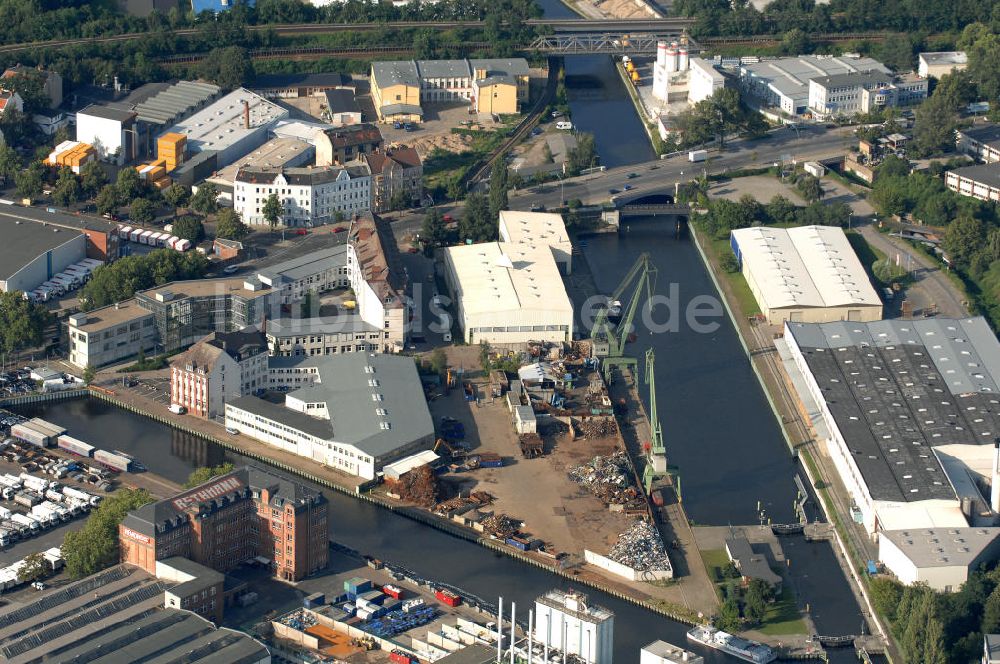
607 339
656 462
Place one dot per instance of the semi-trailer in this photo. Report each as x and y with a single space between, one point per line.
26 521
75 446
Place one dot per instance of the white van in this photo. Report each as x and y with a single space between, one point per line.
177 409
565 125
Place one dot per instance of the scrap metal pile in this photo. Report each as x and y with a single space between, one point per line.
500 526
607 478
597 427
420 486
640 548
461 504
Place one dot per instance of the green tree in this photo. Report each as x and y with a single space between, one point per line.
477 224
35 567
272 211
229 225
107 200
177 195
729 615
796 42
809 187
965 237
190 228
729 263
88 374
121 279
142 211
10 162
780 210
583 155
885 595
308 308
29 181
67 188
399 201
206 199
498 186
433 231
439 361
229 67
22 323
206 473
95 546
933 127
991 613
92 178
128 185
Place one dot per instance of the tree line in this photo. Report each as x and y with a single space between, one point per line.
123 278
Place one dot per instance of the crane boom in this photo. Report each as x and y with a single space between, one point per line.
608 340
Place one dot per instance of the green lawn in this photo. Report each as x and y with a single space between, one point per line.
715 561
783 616
747 302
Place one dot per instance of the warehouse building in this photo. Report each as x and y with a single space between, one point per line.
538 229
507 293
354 412
291 86
941 558
117 616
230 520
909 413
784 82
110 130
342 108
808 274
231 126
981 181
33 253
101 235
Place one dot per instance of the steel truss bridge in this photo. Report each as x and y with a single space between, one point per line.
611 43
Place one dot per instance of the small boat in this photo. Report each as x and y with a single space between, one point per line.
737 646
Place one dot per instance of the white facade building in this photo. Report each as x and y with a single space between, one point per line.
564 621
939 557
508 293
704 80
219 368
937 64
310 196
981 181
661 652
808 274
109 130
354 413
538 229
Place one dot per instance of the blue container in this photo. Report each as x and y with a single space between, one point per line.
517 544
374 596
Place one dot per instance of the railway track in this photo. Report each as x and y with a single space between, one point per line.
312 53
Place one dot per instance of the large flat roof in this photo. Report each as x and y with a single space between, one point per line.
276 153
988 174
988 134
111 315
898 388
221 124
542 228
791 76
362 392
306 265
942 547
204 287
23 242
496 276
808 266
944 57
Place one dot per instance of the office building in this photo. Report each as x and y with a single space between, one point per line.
110 130
981 142
808 274
941 558
344 333
342 108
220 367
230 520
340 145
661 652
981 181
784 82
354 412
309 195
565 621
33 253
937 64
111 334
495 86
849 94
908 411
291 86
538 229
117 616
317 272
507 293
294 525
231 126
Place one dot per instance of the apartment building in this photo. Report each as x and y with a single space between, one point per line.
397 176
294 524
309 195
220 367
378 280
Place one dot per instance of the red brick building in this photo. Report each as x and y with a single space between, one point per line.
231 520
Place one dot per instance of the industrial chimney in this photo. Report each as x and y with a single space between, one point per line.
995 482
246 114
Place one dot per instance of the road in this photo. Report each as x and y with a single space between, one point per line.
660 176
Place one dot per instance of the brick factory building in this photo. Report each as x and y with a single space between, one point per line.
220 523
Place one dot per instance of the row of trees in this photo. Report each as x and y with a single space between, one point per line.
740 611
95 546
719 116
22 323
724 216
120 280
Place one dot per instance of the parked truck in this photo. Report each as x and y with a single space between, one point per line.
39 484
697 155
81 495
26 521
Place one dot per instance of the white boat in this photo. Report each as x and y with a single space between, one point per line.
737 646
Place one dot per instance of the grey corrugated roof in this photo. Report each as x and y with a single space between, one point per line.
505 66
409 109
396 72
345 386
24 241
107 112
290 327
988 174
306 265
